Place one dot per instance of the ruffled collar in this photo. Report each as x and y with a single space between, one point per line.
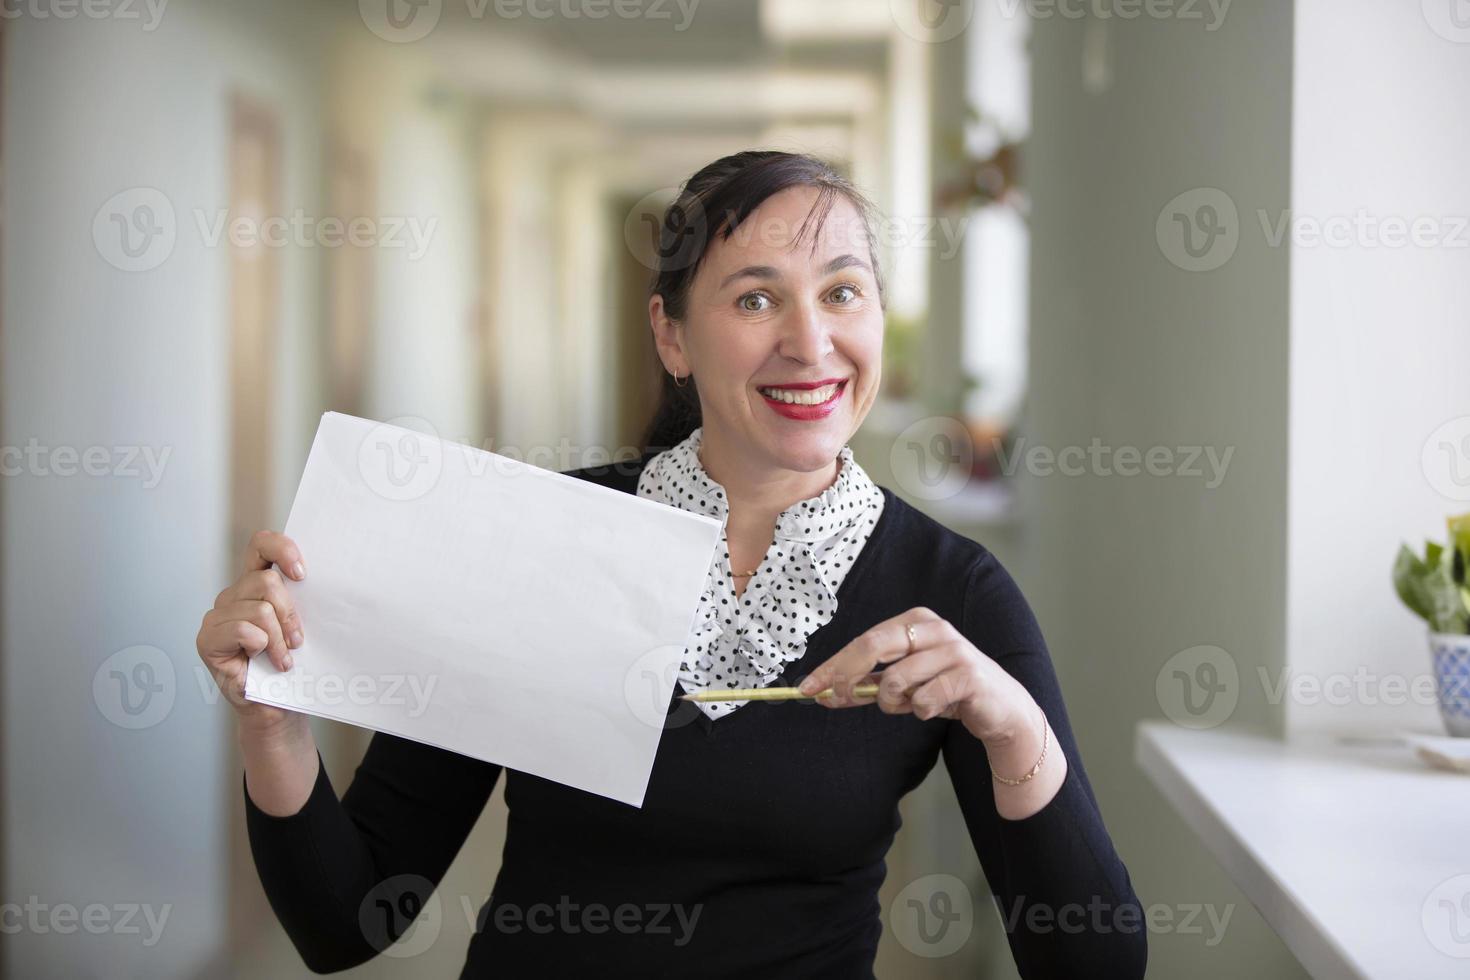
748 640
688 486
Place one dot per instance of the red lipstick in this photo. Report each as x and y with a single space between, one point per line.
805 413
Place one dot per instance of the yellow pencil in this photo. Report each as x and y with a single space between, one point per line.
775 694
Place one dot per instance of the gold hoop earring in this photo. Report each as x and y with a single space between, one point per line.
676 381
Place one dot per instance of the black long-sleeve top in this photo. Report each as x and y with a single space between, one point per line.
759 849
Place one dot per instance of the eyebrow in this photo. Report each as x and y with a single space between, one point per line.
771 272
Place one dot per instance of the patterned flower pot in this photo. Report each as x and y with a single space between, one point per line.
1451 653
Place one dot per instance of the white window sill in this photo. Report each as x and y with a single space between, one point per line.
1344 849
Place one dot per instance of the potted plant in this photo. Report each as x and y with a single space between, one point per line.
1434 587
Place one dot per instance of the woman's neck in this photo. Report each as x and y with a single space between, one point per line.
759 492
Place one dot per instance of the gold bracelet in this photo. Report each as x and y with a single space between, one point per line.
1045 730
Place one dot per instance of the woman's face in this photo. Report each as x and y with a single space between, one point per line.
769 316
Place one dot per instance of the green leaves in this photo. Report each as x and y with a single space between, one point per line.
1409 580
1434 587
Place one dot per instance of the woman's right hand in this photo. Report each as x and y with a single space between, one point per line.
254 615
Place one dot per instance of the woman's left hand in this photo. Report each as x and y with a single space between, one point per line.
941 675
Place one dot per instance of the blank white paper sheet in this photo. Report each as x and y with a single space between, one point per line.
486 606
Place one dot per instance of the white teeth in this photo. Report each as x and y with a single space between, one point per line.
810 396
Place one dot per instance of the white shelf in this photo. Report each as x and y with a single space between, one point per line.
989 504
1344 849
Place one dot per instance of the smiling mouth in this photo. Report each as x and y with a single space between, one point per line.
805 396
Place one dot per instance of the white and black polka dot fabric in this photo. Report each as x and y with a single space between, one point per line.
747 640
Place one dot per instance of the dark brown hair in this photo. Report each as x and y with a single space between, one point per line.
714 202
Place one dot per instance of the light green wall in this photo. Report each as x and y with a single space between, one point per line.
1131 349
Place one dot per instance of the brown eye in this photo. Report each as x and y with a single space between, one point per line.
745 302
848 288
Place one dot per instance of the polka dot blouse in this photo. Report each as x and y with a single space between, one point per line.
747 640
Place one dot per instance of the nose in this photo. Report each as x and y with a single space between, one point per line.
806 335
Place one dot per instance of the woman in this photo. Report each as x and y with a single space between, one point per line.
759 849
